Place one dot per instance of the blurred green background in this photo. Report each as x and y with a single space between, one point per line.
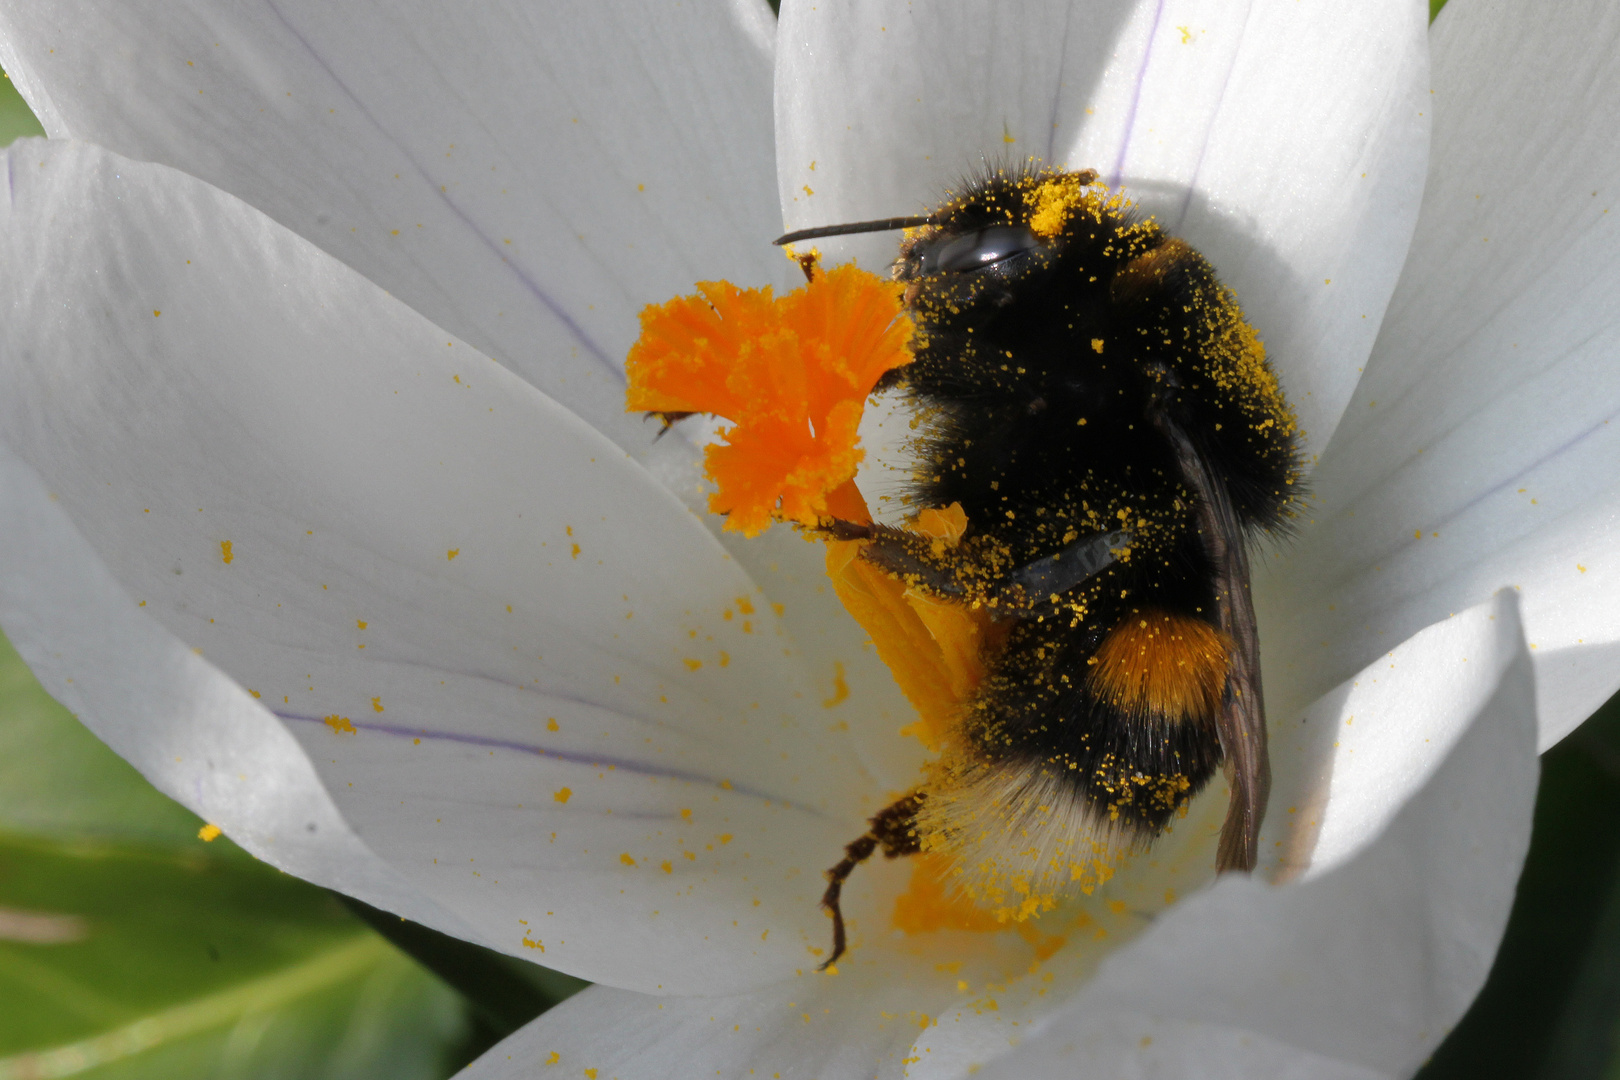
132 948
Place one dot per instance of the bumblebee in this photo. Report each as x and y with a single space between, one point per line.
1091 397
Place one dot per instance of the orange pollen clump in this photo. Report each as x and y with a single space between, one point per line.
790 373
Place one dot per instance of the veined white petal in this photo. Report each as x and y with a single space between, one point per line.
1285 141
1356 970
528 677
1367 964
192 730
833 1027
1140 1046
1479 450
526 176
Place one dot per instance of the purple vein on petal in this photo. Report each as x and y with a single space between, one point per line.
548 692
1518 477
595 761
1506 482
533 286
1136 97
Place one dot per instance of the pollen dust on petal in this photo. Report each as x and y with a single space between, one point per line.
791 374
932 904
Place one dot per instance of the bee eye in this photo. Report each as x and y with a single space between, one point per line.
979 249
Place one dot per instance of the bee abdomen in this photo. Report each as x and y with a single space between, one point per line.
1157 665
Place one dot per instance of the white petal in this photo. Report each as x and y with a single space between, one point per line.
526 176
1286 141
1135 1046
422 547
191 730
1479 451
1354 973
1367 964
828 1027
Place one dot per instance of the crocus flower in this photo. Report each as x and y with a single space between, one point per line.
318 502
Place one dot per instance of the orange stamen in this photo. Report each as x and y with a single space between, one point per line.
791 374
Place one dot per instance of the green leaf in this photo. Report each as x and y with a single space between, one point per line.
15 118
131 948
58 780
121 963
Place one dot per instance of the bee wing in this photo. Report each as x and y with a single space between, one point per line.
1241 722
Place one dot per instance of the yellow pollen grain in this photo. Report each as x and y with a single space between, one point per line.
692 664
376 704
1052 202
553 1059
627 859
840 687
209 833
452 553
1096 344
551 723
666 867
340 724
563 794
225 552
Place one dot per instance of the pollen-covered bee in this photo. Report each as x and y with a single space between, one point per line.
1092 398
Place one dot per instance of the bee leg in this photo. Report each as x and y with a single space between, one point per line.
894 828
839 529
903 554
670 419
1034 584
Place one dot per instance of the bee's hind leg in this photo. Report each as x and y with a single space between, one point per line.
894 829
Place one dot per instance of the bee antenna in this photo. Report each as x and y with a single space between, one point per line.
881 225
